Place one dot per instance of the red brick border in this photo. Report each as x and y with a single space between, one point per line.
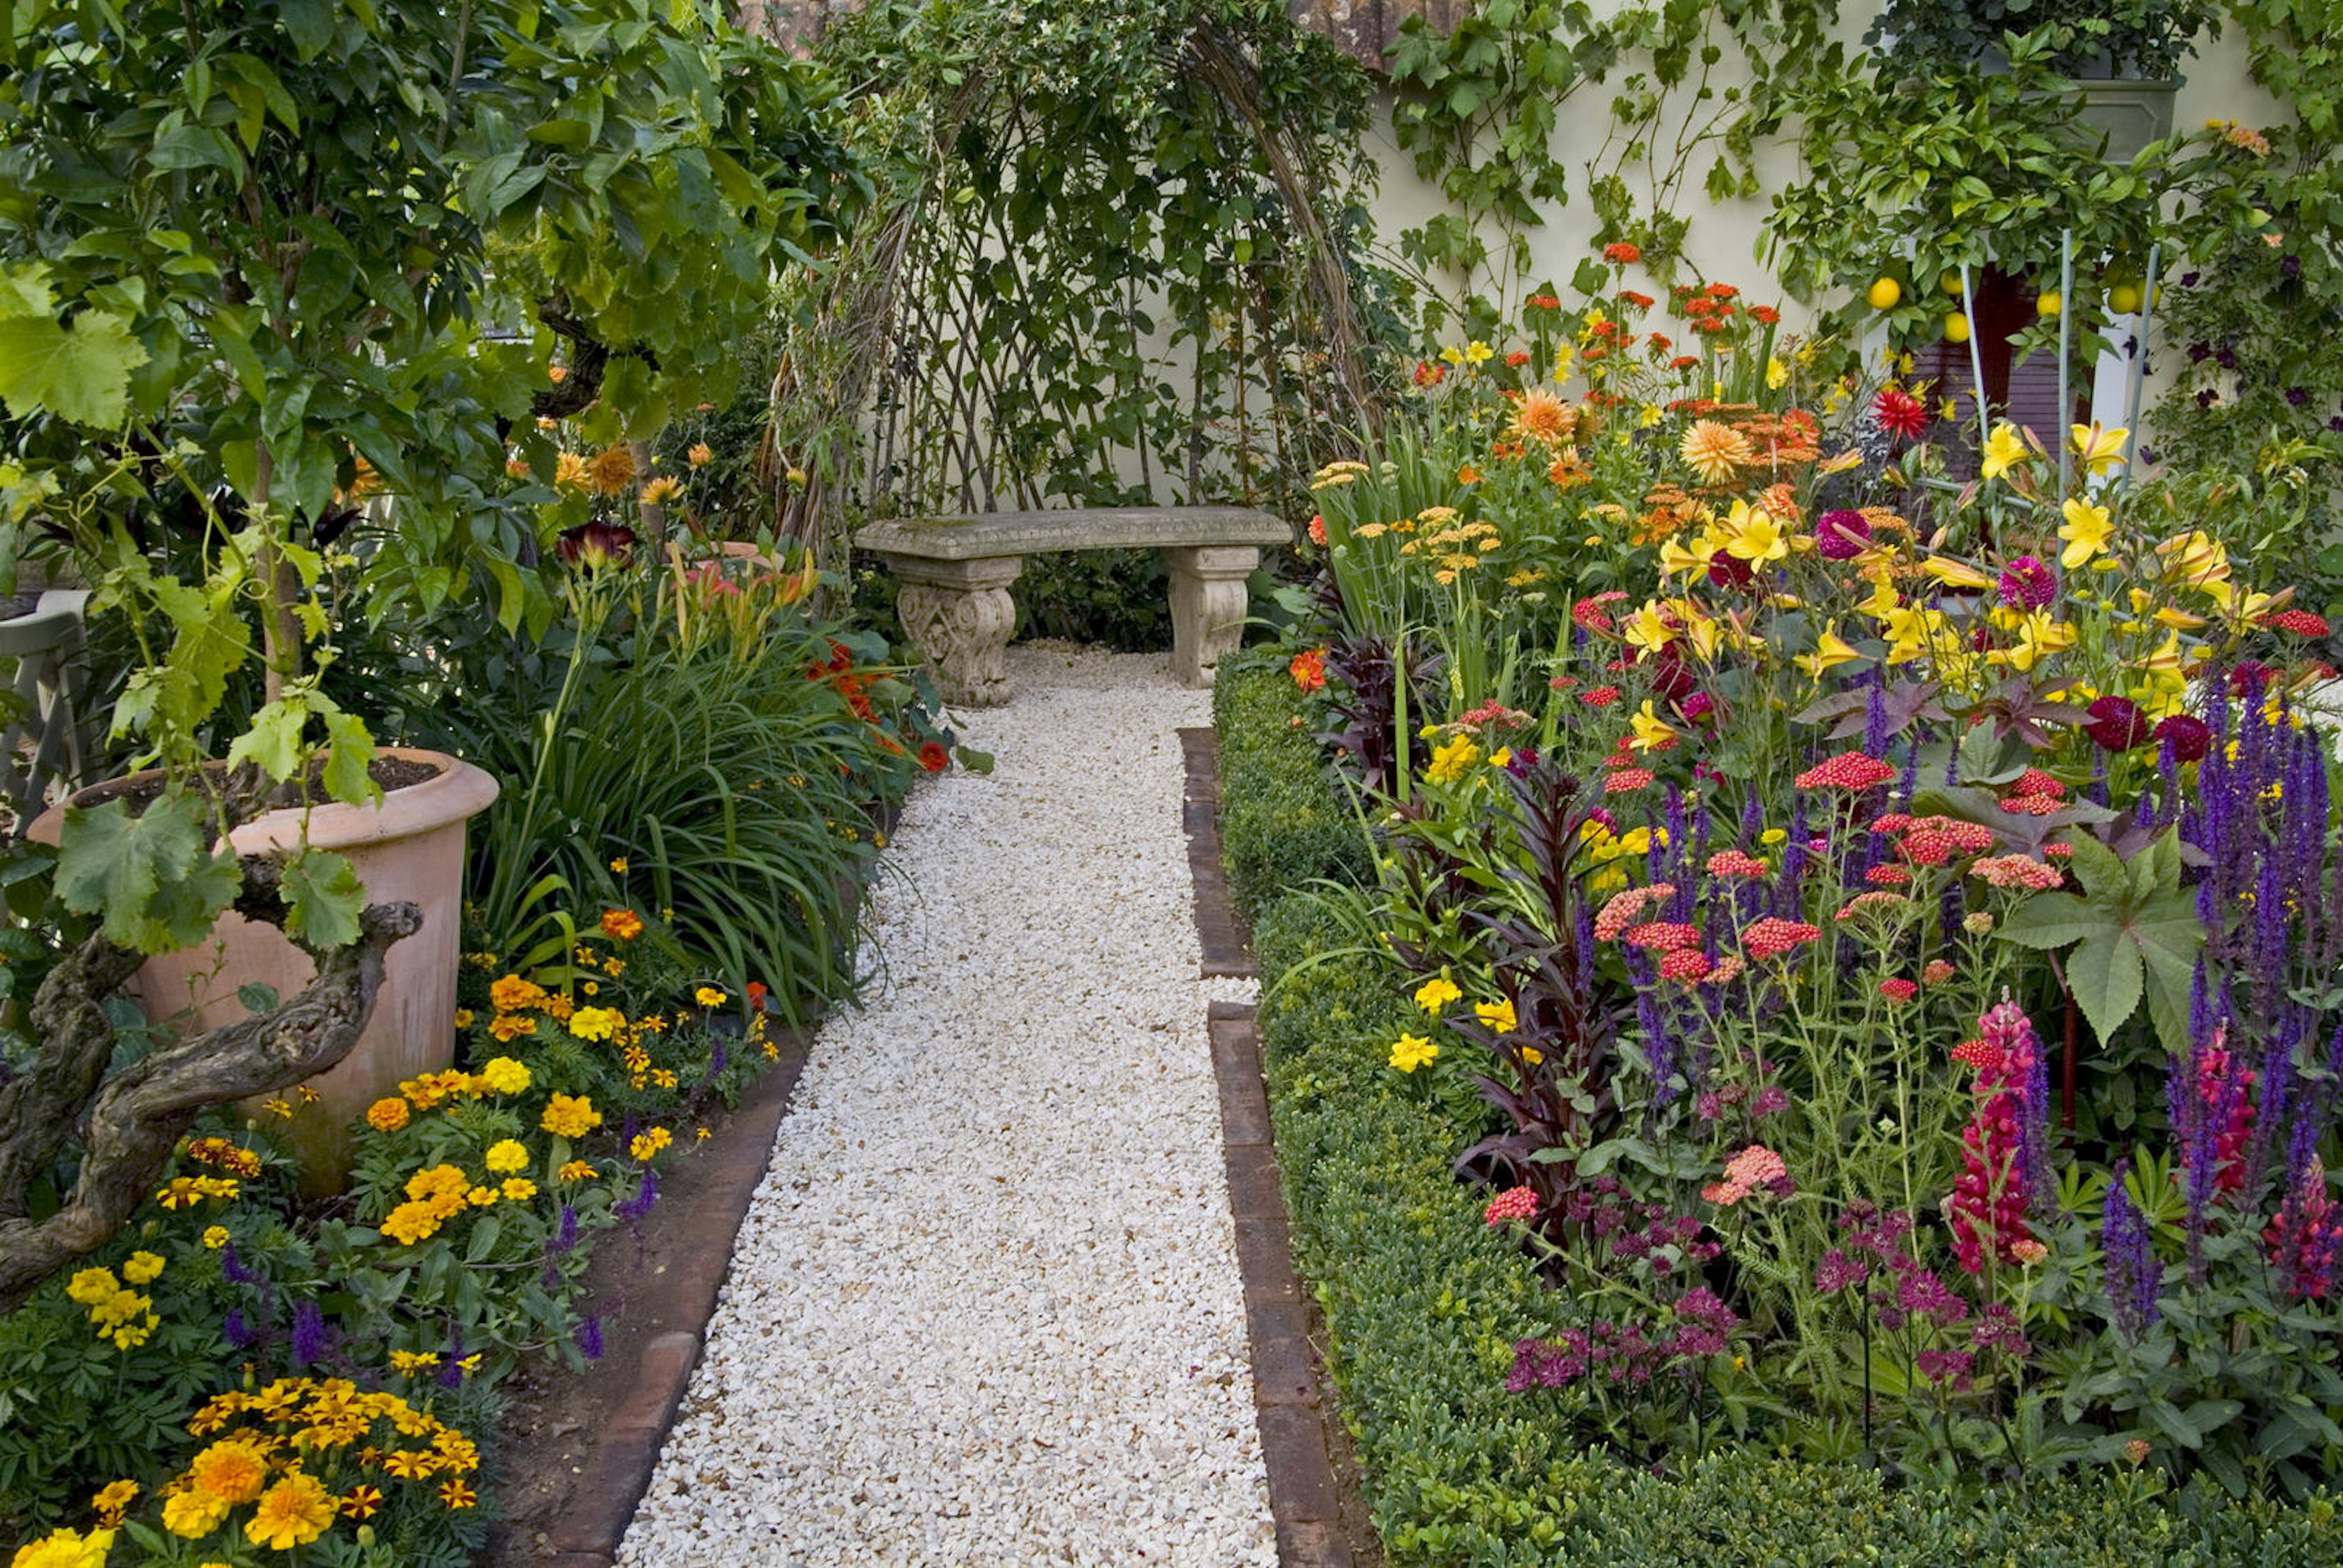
1304 1496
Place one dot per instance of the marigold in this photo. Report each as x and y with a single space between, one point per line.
1437 993
621 925
387 1114
1412 1051
503 1075
193 1515
293 1513
570 1116
233 1471
708 996
597 1022
506 1156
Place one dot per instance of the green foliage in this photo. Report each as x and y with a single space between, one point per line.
2132 930
1119 597
2146 38
1282 823
1423 1304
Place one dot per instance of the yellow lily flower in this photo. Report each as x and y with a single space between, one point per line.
1649 730
2039 638
2173 616
2100 450
1648 629
2004 449
2087 530
1883 599
1756 539
1676 557
1700 630
1830 652
1955 573
1478 353
2167 658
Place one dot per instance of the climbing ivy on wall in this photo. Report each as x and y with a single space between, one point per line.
1693 86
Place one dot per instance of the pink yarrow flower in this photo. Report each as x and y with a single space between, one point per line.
1511 1205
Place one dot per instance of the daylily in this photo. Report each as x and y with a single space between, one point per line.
2004 450
2087 530
2039 636
1830 652
1955 573
1699 629
2100 450
1883 599
2197 560
2167 658
1649 629
1676 557
1756 539
1650 729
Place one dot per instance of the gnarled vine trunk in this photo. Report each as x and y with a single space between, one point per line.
126 1125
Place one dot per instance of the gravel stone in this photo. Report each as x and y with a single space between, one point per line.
985 1308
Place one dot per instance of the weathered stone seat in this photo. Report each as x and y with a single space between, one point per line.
954 575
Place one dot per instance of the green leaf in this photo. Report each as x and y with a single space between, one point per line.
2104 974
258 996
349 756
2050 919
79 371
147 875
274 741
324 897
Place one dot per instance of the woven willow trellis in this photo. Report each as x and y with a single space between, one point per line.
974 350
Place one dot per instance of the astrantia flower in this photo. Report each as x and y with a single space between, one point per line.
1841 536
1899 413
2116 724
1715 452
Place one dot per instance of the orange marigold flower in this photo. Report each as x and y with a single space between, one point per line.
700 455
387 1114
624 925
611 470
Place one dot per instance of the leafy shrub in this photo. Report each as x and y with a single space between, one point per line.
1119 597
1281 822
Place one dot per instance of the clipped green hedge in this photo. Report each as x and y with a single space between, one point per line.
1422 1306
1284 819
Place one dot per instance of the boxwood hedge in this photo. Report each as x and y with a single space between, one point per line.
1423 1305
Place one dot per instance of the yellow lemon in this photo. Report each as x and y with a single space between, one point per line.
1884 293
1956 328
2048 303
2123 298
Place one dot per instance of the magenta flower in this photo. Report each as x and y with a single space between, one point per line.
2027 584
2116 724
1842 536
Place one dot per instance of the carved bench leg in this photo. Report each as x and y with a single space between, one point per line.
1208 605
960 615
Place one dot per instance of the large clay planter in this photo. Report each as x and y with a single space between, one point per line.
409 847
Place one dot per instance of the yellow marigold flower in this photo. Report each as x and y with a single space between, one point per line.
700 455
559 1005
659 491
481 1197
216 1237
570 1116
611 470
506 1156
518 1189
1412 1051
193 1515
293 1513
597 1022
64 1548
708 996
622 925
112 1499
141 1268
463 1018
511 1027
455 1494
576 1171
90 1287
233 1471
1437 993
702 1133
437 1181
503 1075
387 1114
276 1105
649 1142
412 1361
1715 451
1498 1016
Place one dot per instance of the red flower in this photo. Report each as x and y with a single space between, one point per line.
1518 357
1599 696
1899 413
1898 989
1620 252
1847 770
1318 530
2116 724
1309 670
934 757
1684 362
1773 936
1429 375
1723 291
1764 314
2300 622
2191 738
1630 298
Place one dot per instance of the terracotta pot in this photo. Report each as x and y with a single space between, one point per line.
410 846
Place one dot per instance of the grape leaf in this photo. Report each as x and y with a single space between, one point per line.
324 897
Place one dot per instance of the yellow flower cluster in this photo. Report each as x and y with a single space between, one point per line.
649 1143
116 1312
186 1192
65 1549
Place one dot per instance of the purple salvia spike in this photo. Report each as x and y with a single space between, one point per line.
2133 1279
1874 717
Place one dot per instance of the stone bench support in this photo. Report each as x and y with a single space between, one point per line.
954 575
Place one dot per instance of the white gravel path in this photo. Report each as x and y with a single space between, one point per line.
985 1308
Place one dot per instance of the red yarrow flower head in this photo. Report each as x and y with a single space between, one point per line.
2116 724
1513 1204
2300 622
1627 781
1318 529
2020 871
1615 916
1847 770
1899 413
1663 937
1898 989
1734 863
1841 536
1772 937
1689 965
1599 696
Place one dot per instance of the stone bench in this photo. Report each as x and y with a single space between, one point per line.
954 575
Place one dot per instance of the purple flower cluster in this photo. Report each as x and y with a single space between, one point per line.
1697 1324
2133 1276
